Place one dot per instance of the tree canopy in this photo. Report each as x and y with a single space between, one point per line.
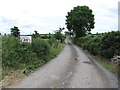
15 31
80 20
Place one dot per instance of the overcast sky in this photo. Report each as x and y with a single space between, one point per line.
48 15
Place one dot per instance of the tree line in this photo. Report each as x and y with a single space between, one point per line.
15 31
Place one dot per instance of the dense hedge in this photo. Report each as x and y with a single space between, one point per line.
106 45
53 42
41 48
17 55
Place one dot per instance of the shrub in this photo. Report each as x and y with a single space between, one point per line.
25 53
16 54
52 42
41 48
106 45
9 54
111 43
26 56
107 53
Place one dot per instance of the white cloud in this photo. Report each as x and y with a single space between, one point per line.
48 15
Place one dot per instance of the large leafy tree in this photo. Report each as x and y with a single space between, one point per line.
80 20
15 31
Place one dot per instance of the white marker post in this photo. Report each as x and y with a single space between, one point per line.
27 39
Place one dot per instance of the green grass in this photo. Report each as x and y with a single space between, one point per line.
55 51
45 39
105 65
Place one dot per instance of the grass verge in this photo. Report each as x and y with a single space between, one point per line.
106 64
55 51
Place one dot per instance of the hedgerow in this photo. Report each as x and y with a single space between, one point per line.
26 56
106 45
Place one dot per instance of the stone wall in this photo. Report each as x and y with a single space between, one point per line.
116 60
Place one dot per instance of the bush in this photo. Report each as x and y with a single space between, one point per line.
18 55
27 56
53 42
107 53
9 54
111 43
110 39
41 48
15 54
106 45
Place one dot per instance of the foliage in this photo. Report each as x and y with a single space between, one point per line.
40 47
15 31
67 33
27 56
80 20
106 65
58 34
53 42
106 45
111 41
9 51
35 34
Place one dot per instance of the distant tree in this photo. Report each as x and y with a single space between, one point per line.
80 20
15 31
0 33
49 35
36 34
58 34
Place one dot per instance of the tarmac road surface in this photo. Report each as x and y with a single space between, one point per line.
72 68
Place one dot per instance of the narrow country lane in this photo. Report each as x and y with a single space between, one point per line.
73 68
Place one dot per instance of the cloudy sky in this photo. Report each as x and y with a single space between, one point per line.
48 15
